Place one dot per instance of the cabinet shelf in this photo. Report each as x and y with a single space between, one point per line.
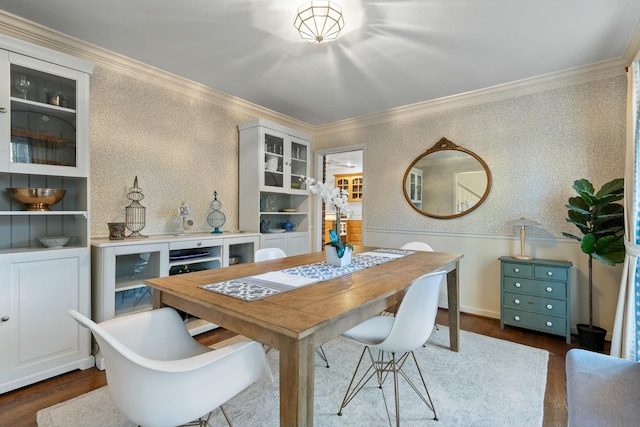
41 108
43 213
190 261
129 285
283 213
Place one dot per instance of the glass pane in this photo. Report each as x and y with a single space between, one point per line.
273 161
43 118
298 165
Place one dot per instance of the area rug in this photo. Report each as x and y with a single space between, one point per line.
490 383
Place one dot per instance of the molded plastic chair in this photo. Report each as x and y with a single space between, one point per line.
397 336
158 375
417 246
267 254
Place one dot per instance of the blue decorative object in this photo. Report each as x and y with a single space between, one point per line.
336 243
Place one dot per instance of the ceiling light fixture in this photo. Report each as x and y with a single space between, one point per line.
319 21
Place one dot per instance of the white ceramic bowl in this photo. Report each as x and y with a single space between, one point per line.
54 242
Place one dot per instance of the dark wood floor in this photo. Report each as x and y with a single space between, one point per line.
18 408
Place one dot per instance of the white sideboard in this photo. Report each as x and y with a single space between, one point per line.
120 267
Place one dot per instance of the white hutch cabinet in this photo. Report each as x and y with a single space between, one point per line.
273 159
44 128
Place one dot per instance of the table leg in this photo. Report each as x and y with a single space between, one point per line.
453 288
297 376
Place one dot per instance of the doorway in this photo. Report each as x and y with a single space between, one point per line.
344 167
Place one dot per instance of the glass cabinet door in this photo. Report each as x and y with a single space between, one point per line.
274 161
43 118
299 155
285 163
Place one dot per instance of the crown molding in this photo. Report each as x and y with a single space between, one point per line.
22 29
633 47
543 83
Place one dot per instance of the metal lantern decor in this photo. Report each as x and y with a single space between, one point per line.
135 213
216 219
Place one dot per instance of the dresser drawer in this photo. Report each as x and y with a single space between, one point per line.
517 270
549 306
539 322
550 273
194 244
535 287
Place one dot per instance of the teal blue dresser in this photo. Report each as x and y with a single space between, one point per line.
535 295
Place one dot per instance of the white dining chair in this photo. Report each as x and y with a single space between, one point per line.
267 254
395 339
159 376
417 246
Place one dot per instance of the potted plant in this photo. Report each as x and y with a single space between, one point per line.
338 253
601 221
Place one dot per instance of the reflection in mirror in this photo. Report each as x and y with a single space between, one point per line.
447 181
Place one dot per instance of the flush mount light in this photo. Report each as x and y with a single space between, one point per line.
319 21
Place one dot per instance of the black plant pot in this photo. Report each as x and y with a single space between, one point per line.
591 338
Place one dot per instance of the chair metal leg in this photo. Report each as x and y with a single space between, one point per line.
382 369
323 356
225 416
201 422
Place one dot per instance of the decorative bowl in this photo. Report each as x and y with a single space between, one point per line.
37 199
54 242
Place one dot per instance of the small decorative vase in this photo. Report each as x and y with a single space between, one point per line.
332 256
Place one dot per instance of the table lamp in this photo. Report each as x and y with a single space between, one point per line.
522 223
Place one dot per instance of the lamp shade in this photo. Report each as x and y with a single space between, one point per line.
522 222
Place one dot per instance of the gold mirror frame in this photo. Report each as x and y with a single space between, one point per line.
444 145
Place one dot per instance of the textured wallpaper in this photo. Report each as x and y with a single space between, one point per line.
183 149
535 146
179 148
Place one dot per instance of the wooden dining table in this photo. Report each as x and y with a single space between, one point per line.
297 321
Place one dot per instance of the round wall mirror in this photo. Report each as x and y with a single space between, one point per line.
446 181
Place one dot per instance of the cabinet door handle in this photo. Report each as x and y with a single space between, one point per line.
549 289
5 318
3 110
199 243
549 306
517 270
517 284
516 317
517 301
549 324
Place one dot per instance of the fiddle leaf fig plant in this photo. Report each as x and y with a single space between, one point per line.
601 221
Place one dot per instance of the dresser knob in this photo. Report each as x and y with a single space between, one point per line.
517 270
549 273
549 306
199 243
549 289
517 301
517 284
549 324
516 317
